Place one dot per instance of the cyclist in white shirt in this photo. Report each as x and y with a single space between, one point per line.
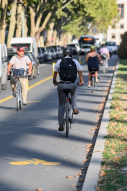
67 81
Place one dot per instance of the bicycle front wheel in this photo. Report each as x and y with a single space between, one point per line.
17 100
67 119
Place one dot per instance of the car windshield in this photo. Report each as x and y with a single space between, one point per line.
39 50
85 46
110 43
26 46
71 45
43 50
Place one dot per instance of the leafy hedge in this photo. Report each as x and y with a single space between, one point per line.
122 51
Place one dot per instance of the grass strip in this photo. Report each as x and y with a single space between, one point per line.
112 176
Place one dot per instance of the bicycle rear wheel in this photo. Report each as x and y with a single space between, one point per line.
17 100
67 119
92 86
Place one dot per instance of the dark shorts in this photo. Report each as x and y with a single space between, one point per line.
90 69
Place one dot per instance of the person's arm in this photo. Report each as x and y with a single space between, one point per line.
99 58
9 68
87 58
108 55
81 78
30 68
54 78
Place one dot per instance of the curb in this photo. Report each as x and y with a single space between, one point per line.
95 163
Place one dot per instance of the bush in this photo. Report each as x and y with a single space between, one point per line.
122 51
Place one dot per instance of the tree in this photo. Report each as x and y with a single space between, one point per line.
122 51
3 12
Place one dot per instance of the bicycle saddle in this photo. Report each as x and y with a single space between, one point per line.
66 91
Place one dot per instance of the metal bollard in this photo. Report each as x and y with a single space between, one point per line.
53 65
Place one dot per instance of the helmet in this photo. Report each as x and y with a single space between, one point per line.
67 51
92 48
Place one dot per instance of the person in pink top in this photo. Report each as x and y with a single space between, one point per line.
104 50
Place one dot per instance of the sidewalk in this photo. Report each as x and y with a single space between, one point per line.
113 163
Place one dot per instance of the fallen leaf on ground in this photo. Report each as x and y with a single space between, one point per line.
69 177
81 180
97 188
103 173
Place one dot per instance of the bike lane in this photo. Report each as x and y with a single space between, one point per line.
33 154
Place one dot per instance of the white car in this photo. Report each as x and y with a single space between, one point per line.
3 67
85 48
112 47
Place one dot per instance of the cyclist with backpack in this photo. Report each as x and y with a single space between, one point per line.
67 69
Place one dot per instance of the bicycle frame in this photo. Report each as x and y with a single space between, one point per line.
68 116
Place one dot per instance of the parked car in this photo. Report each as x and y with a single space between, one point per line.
37 63
112 47
58 54
45 53
52 50
40 56
3 67
60 51
34 66
28 43
85 48
75 48
49 54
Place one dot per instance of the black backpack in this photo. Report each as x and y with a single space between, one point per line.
68 70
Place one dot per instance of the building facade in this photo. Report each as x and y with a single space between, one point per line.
116 31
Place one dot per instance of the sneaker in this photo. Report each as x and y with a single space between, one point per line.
89 86
14 94
75 111
96 80
24 103
61 128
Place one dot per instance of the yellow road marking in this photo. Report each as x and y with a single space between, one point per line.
5 99
40 82
30 87
35 161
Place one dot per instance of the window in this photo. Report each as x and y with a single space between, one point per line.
113 36
121 10
113 27
122 26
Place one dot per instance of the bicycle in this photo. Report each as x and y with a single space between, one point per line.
93 81
17 74
68 114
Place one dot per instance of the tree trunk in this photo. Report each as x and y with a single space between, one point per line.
20 11
41 41
12 23
32 18
37 35
55 36
49 34
3 11
26 28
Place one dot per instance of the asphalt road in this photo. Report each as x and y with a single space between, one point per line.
33 154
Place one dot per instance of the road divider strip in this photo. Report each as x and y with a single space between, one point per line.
30 87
